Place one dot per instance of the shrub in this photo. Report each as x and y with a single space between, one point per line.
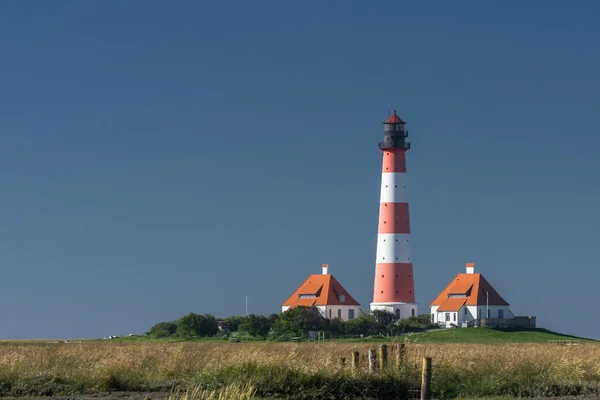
163 329
197 325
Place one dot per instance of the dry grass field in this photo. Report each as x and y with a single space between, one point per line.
309 370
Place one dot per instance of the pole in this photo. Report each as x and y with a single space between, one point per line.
426 379
372 361
400 356
355 357
383 357
487 304
246 306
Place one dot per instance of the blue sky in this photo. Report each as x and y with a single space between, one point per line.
157 160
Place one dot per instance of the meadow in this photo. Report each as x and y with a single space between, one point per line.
296 370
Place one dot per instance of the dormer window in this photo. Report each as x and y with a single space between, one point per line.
341 298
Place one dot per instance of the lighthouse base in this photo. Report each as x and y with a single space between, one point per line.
401 310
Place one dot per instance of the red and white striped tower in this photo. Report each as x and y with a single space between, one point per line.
394 283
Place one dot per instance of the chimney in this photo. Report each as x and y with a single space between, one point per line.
470 268
325 267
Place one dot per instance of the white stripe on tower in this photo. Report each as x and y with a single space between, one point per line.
393 187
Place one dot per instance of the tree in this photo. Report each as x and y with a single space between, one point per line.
298 320
163 329
363 325
256 325
334 326
384 320
234 322
197 325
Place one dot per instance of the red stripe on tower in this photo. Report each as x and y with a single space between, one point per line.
394 283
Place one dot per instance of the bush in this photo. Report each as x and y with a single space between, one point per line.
299 320
197 325
255 325
163 329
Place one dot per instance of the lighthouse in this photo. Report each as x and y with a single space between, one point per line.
394 289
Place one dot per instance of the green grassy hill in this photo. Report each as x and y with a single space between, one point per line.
489 335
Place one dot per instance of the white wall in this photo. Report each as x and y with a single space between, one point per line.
325 311
334 311
405 310
470 315
493 310
456 317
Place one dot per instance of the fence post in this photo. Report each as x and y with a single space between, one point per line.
400 356
355 358
372 360
383 356
426 379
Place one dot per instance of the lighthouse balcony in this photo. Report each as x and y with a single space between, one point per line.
392 145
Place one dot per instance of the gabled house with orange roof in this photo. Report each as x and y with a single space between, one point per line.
327 294
468 299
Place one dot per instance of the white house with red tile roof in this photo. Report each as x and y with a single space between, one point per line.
327 294
466 299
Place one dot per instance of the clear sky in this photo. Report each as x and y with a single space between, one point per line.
162 159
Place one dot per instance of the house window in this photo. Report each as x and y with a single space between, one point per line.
339 313
398 313
351 313
500 313
454 316
489 312
448 317
341 298
466 311
330 313
432 317
412 312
